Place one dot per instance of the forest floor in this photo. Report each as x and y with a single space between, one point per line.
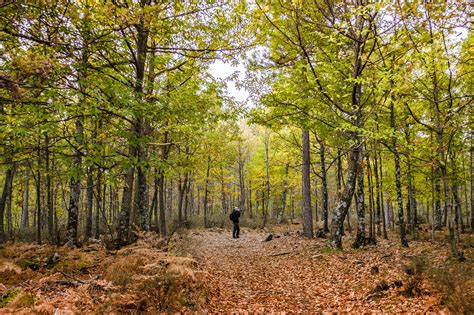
207 271
291 274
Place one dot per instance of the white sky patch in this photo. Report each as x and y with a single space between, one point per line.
224 71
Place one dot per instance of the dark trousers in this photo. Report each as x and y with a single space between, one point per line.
236 230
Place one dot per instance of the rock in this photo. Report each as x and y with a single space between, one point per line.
269 238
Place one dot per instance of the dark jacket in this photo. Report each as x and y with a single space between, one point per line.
234 216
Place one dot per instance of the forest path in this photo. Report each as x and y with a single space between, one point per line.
291 274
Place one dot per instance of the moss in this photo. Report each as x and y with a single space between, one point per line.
32 264
8 296
25 299
74 265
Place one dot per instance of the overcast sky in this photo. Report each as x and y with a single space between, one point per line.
223 70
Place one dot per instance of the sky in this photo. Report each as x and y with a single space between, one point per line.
223 70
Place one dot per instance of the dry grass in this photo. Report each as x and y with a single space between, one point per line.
143 277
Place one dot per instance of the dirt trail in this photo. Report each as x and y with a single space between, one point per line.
293 275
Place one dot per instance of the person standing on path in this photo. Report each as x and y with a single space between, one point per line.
234 217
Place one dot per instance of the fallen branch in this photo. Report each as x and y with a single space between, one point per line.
69 283
280 254
73 278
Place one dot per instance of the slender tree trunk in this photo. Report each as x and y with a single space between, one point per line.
206 191
250 199
26 197
99 205
411 213
154 201
384 209
398 182
223 204
316 200
377 195
9 202
164 156
49 192
306 187
370 186
324 183
241 178
124 216
89 202
470 180
267 182
38 198
283 195
360 205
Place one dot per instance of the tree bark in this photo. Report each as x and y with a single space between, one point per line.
340 211
49 190
324 182
398 183
38 197
7 188
281 213
267 177
370 186
26 196
360 204
206 191
306 187
241 178
89 202
161 183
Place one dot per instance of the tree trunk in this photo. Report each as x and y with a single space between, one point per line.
49 192
370 186
267 182
383 209
360 204
161 183
38 198
99 205
89 202
223 204
75 184
206 191
306 186
124 216
325 213
26 197
242 178
398 182
281 214
8 201
377 195
470 181
340 211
